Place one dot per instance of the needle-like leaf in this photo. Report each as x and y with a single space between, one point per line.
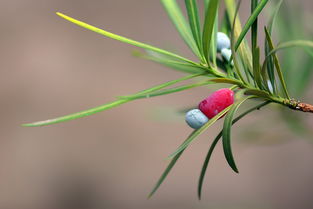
214 143
181 25
123 39
210 15
165 173
250 21
162 86
276 62
194 21
227 134
171 63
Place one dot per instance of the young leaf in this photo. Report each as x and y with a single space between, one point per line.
123 39
199 131
227 134
213 145
181 25
208 27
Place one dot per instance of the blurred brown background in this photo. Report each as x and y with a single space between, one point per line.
50 67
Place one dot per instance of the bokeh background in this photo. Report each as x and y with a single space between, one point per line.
50 68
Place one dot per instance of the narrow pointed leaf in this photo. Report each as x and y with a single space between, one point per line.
194 21
169 91
276 62
79 114
270 63
214 143
250 21
227 134
213 45
164 85
256 68
227 80
165 173
199 131
123 39
171 63
181 24
208 27
290 44
244 49
273 17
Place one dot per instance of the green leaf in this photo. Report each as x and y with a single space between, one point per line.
227 80
259 93
123 39
250 21
122 100
213 45
194 21
162 86
276 62
208 27
254 27
227 134
181 25
256 67
199 131
78 115
214 143
290 44
244 49
234 54
168 62
165 173
170 91
273 17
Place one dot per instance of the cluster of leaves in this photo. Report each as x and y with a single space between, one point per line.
251 78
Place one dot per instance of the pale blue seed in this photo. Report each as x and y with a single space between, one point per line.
196 119
222 41
226 54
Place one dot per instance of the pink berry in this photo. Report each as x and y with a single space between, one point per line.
217 102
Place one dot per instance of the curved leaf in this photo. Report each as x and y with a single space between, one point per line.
227 134
210 15
123 39
213 145
181 25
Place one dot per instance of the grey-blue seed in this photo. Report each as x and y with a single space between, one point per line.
196 119
222 41
226 54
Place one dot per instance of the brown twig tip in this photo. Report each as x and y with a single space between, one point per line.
304 107
297 105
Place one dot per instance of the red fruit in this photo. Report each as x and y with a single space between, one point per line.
217 102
